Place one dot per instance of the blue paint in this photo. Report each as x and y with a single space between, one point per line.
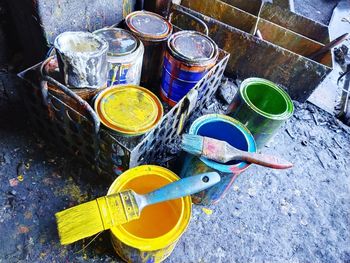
178 78
120 72
183 74
223 128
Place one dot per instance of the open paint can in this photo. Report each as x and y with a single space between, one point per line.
188 58
125 55
223 128
153 30
263 107
154 235
82 59
128 110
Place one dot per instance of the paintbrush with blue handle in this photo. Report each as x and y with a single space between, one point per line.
222 152
90 218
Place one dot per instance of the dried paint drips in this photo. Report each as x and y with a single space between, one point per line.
82 59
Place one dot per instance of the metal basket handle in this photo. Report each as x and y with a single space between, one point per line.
67 91
199 21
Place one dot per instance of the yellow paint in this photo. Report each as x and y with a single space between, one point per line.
20 178
207 211
154 235
128 109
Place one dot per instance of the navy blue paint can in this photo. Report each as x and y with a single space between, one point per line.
188 58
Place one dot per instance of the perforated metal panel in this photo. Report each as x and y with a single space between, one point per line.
70 125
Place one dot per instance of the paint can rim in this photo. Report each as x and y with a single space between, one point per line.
151 244
175 52
102 49
289 103
246 133
125 130
149 37
100 32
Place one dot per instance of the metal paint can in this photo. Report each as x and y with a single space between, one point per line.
153 237
223 128
262 107
188 58
124 56
128 110
153 30
82 59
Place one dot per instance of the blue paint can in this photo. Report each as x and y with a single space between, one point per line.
223 128
188 58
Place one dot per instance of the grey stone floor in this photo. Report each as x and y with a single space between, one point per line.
299 215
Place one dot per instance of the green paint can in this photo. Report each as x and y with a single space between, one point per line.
262 107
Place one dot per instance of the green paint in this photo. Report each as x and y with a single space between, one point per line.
263 107
266 98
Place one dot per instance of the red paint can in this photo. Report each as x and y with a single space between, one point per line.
153 30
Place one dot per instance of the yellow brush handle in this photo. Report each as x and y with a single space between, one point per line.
118 209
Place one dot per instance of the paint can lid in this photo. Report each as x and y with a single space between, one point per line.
129 110
120 41
148 25
192 46
79 42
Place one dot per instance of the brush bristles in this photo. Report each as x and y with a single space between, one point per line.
79 222
192 144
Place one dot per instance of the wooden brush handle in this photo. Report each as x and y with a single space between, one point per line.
264 160
328 47
183 187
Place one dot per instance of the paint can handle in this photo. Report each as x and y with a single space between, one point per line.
46 78
203 25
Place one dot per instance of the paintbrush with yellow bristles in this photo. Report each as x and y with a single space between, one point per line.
105 212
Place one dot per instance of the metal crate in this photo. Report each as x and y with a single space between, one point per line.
281 56
72 123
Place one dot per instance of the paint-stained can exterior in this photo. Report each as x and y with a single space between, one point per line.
128 110
223 128
146 240
188 58
153 30
263 107
82 59
124 56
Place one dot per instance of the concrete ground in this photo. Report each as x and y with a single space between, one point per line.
298 215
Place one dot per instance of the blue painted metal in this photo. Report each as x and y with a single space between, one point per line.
182 69
180 188
224 128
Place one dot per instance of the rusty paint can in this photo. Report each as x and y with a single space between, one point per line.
128 110
263 107
188 58
154 235
153 30
124 56
223 128
82 59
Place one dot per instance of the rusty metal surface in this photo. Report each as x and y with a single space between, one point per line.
297 23
251 6
251 56
222 12
294 42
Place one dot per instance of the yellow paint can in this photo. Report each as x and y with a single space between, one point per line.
128 110
154 235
